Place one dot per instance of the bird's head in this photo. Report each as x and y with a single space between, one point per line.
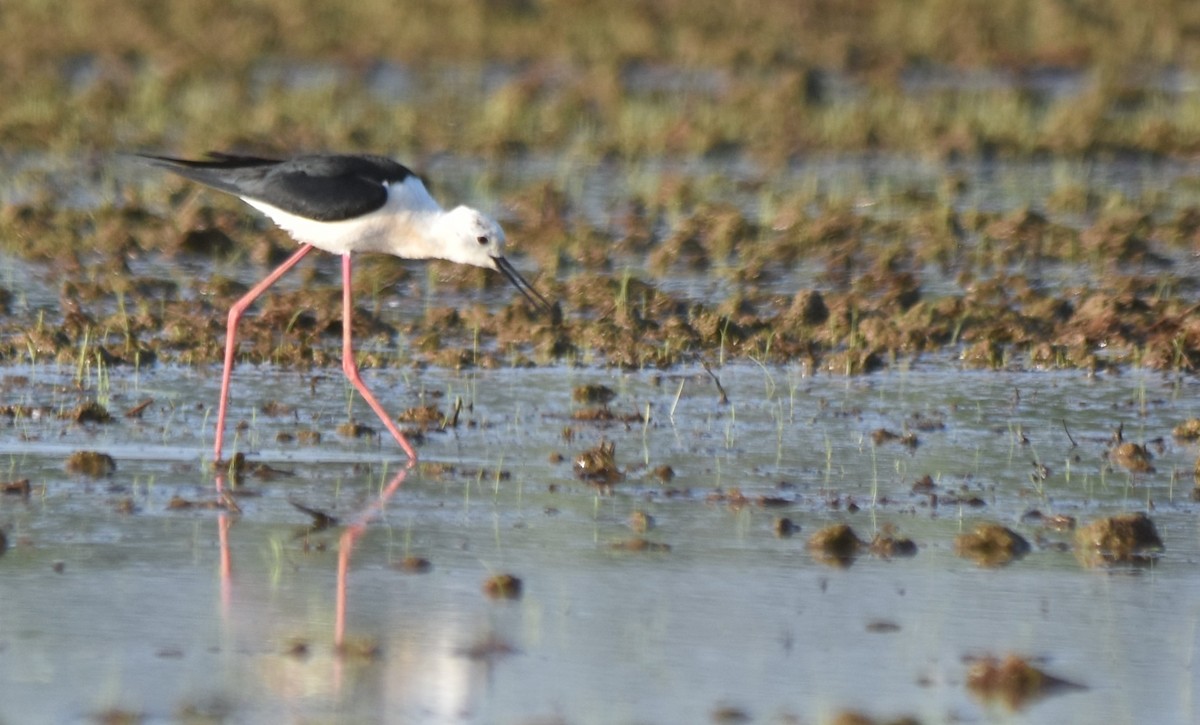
470 237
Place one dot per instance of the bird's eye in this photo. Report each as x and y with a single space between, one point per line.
482 240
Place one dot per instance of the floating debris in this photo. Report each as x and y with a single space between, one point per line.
91 463
880 436
20 487
89 412
351 429
770 502
1188 431
502 586
854 717
784 527
640 521
882 626
991 545
836 545
887 544
604 414
423 416
298 648
733 497
593 394
413 565
436 469
137 410
599 464
277 409
640 544
1054 522
363 649
321 520
730 714
117 716
489 648
1013 681
179 503
1132 457
1122 539
924 485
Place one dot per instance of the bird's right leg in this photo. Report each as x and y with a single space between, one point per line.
235 314
350 367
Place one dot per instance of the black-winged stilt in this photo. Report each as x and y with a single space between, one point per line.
345 204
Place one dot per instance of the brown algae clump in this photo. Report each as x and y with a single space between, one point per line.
424 415
641 522
599 464
91 463
640 544
1012 681
1122 539
888 544
784 527
502 586
1187 431
593 394
89 412
836 545
413 565
20 487
351 429
991 545
854 717
1132 457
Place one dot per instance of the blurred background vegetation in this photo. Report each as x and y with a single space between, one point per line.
622 78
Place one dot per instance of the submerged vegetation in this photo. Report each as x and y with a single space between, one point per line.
841 291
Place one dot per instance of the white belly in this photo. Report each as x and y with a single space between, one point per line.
405 216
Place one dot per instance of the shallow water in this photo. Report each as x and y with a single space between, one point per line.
140 617
189 613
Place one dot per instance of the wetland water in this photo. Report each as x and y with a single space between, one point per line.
125 595
108 610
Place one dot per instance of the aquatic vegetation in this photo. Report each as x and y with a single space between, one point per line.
836 545
1121 539
991 545
91 463
502 586
1013 681
599 464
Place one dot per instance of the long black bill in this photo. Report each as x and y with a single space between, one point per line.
535 298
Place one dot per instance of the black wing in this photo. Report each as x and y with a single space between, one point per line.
323 187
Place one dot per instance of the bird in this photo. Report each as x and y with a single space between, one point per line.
344 204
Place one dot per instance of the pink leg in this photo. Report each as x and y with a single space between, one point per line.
351 368
235 314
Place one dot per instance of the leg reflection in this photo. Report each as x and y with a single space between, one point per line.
356 527
346 547
224 522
